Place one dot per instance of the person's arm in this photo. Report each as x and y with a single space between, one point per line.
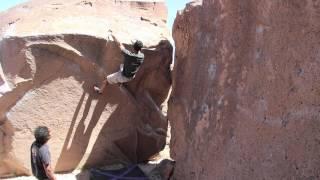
121 46
46 162
49 172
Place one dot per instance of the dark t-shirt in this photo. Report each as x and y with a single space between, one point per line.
132 62
40 157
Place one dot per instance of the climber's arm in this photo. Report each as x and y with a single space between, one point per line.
121 46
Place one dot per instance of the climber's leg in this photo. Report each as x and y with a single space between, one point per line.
101 88
114 78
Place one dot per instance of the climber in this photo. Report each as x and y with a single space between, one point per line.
129 68
40 155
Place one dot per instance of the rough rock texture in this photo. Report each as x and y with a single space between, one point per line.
52 53
245 101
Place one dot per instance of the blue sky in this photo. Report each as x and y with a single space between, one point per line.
6 4
173 6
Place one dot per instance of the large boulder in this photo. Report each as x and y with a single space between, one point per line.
52 53
245 100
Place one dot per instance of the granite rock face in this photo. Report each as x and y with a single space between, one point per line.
245 100
52 53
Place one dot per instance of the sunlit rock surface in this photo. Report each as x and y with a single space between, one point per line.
246 90
52 53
